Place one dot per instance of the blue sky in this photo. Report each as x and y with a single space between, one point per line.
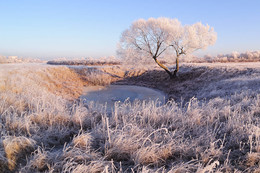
92 28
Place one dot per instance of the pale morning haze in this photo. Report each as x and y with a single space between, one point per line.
127 86
64 28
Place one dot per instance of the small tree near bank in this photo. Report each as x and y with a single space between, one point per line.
191 38
153 37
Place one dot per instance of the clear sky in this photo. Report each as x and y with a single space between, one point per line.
92 28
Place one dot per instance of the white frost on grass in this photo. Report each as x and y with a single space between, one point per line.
218 135
218 79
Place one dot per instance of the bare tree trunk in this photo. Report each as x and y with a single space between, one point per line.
177 66
164 67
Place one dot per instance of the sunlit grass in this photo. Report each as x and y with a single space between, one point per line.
44 129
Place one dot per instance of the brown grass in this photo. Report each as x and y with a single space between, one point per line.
42 131
253 159
61 81
83 141
153 155
16 149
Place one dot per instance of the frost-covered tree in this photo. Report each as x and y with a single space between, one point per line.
151 38
148 39
190 38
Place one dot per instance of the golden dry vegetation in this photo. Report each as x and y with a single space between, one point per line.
45 129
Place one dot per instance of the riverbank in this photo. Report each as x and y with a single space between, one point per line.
202 80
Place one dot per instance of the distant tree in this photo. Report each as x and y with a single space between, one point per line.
152 37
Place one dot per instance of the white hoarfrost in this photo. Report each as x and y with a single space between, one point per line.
147 40
43 132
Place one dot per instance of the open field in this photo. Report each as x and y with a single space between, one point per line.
210 124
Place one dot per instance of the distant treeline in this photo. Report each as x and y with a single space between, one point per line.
248 56
253 56
83 62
